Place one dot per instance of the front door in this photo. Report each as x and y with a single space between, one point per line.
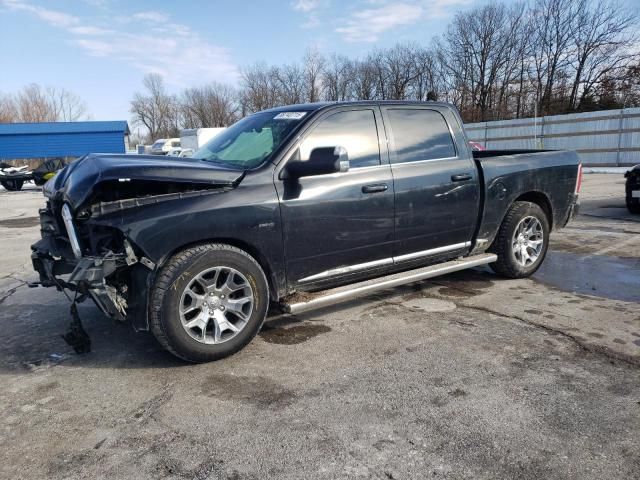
341 224
436 186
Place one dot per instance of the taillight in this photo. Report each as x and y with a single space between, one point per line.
579 179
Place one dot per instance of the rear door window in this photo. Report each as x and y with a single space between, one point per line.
355 130
419 135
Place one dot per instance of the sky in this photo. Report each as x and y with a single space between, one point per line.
101 49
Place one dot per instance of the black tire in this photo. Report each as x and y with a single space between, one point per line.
12 185
507 264
632 207
177 274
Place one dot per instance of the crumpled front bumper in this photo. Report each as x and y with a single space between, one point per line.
53 259
86 276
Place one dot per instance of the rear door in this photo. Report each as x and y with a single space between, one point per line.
436 184
341 224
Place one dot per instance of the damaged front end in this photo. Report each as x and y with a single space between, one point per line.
90 260
86 247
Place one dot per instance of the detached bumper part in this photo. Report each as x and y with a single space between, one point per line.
87 277
71 231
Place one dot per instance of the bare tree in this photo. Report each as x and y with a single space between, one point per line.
37 104
33 105
66 106
259 91
603 41
479 51
363 80
495 61
212 105
338 78
156 110
290 84
313 66
553 30
8 112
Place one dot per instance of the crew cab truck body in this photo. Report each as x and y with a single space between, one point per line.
299 206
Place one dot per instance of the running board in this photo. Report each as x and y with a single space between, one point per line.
310 301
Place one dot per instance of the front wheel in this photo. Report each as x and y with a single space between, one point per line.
208 302
522 241
12 185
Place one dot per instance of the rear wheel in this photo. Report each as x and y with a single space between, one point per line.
208 302
522 241
12 185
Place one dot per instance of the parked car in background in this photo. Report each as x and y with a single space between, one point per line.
632 189
180 152
163 146
194 138
301 206
174 152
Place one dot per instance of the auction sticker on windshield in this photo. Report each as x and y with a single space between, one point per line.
290 116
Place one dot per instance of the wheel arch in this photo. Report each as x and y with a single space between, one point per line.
251 250
540 199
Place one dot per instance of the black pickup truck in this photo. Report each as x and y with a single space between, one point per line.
297 207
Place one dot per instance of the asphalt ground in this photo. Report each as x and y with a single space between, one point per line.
464 376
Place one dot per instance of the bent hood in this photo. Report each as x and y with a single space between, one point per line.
75 182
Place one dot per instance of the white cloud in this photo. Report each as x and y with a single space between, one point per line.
192 59
151 16
311 10
367 25
306 5
97 3
52 17
89 30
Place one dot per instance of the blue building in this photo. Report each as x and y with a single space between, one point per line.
62 139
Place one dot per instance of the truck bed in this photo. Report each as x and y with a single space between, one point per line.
548 176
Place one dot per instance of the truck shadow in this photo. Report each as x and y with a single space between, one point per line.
32 340
32 332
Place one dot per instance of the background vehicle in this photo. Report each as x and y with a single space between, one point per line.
12 178
476 147
194 138
174 152
301 206
632 189
162 146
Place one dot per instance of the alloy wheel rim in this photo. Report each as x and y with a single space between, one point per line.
216 305
528 241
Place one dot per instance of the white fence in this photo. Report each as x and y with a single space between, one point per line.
604 138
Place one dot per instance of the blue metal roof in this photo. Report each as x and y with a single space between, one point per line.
61 139
120 126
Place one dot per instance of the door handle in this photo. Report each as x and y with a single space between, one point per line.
379 187
461 177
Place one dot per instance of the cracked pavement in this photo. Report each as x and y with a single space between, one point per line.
463 376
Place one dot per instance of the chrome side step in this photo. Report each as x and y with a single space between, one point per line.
329 297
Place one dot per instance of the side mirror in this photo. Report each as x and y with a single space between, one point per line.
322 160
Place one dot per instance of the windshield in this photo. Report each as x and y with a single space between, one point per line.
158 144
249 142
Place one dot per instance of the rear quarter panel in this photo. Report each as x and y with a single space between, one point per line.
508 177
